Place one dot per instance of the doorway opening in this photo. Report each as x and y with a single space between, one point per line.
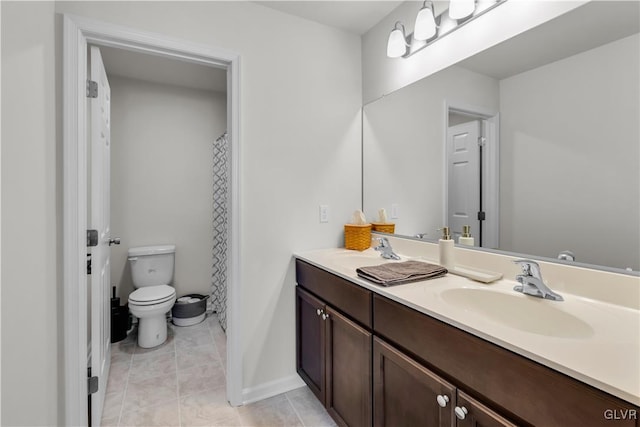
79 33
471 173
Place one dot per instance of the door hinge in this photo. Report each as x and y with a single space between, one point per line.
482 141
92 238
88 264
92 383
481 216
92 89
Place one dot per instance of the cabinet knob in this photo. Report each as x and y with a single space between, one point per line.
461 412
442 399
319 311
325 316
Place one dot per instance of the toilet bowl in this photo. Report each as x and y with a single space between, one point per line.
152 272
150 305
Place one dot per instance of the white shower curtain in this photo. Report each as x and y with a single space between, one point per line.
218 299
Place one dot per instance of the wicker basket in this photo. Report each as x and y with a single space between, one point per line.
357 237
383 227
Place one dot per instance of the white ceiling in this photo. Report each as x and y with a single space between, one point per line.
353 16
140 66
587 27
356 17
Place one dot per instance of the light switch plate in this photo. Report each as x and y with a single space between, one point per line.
395 211
324 213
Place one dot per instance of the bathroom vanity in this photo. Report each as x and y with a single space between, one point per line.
398 356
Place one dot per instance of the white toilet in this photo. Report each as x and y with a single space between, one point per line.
152 273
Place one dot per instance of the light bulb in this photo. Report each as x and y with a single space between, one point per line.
425 27
397 44
459 9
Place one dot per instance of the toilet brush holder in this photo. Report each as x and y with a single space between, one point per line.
119 319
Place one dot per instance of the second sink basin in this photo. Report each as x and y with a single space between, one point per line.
522 312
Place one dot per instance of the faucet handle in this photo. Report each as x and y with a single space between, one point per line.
384 242
529 267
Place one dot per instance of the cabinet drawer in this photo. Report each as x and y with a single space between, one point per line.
347 297
516 385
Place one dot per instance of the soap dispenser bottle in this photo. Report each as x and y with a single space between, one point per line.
445 247
465 238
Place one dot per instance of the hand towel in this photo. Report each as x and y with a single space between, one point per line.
395 273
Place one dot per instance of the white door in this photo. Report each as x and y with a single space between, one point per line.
463 181
99 219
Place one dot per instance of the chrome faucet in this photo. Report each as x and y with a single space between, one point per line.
385 249
532 283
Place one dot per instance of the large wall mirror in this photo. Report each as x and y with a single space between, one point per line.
539 134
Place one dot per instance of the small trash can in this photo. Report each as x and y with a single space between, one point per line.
189 310
119 319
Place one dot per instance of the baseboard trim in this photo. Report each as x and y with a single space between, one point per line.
270 389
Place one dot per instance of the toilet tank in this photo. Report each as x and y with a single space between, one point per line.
152 265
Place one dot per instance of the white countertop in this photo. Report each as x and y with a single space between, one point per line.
595 342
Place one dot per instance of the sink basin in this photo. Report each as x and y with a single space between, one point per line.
522 312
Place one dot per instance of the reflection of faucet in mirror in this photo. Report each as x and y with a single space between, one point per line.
385 249
566 256
532 283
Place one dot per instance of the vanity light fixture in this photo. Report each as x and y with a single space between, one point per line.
430 27
425 27
460 9
397 43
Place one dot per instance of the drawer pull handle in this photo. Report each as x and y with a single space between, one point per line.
461 413
319 311
325 316
442 399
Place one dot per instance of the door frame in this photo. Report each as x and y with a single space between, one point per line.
78 32
491 167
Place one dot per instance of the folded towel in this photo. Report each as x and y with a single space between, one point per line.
395 273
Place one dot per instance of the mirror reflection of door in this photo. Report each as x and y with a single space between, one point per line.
472 170
463 174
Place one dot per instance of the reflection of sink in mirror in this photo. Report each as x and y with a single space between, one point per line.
525 313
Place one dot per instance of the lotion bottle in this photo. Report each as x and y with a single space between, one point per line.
445 247
465 238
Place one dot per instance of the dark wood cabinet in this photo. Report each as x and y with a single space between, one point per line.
348 370
339 293
520 389
374 361
406 393
471 413
333 347
310 342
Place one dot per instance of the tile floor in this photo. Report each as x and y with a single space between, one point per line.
182 383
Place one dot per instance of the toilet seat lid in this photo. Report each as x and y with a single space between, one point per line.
152 295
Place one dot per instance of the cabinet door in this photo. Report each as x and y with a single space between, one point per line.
348 355
471 413
405 393
310 342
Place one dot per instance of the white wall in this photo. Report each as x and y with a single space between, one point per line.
382 75
162 176
300 133
30 256
403 146
540 128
